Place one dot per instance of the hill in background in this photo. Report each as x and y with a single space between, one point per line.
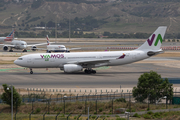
96 16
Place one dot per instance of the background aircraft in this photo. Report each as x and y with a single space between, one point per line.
8 38
17 44
56 48
73 62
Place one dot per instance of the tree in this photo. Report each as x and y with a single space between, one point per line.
153 86
6 96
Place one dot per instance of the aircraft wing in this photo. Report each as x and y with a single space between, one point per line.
38 44
95 61
89 62
73 49
8 45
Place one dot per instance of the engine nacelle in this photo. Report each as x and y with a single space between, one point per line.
5 48
33 48
72 68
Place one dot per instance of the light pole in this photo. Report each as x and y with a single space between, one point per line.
11 101
64 103
129 102
69 29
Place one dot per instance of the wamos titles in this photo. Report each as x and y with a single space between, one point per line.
53 56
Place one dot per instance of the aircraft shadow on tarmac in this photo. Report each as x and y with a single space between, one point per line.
78 73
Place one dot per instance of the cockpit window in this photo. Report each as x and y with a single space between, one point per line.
22 44
20 58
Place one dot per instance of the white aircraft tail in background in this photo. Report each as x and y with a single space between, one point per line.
77 61
57 48
10 37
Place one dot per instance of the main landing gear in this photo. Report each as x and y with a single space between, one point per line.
10 50
24 50
89 71
31 72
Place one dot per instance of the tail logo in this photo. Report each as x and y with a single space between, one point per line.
159 38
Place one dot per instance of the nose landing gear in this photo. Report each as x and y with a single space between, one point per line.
89 71
31 72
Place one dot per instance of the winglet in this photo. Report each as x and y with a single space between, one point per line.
155 40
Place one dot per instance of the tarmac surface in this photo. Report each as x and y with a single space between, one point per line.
106 77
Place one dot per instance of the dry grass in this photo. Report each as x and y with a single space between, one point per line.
2 62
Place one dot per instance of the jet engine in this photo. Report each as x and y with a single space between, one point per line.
5 48
68 68
33 48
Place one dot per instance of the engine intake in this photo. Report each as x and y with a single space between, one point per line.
5 48
69 68
33 48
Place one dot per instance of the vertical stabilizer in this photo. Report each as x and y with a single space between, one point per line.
155 40
47 40
10 37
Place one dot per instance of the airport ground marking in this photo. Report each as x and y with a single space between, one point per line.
3 70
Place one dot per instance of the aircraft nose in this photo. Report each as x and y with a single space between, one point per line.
17 62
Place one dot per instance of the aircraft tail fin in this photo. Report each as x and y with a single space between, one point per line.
155 40
47 40
10 37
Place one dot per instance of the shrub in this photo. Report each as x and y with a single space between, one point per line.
75 117
95 113
120 100
100 109
136 115
56 108
80 106
146 116
93 117
117 116
63 115
102 116
120 119
60 109
133 110
38 110
157 115
150 113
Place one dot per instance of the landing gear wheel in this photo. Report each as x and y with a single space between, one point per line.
90 71
31 72
10 50
24 50
93 71
49 51
85 70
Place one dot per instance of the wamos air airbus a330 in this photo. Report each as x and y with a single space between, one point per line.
73 62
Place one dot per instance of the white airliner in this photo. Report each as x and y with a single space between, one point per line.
20 45
73 62
8 38
57 48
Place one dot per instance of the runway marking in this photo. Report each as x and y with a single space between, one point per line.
3 70
102 68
